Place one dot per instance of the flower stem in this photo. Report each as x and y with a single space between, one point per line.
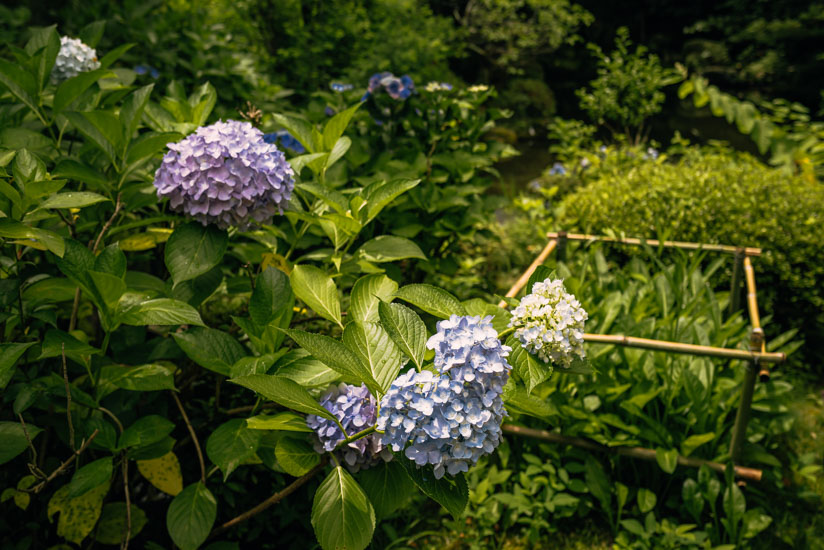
354 437
506 332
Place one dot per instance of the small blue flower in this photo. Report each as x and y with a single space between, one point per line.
285 140
651 154
340 87
147 69
557 170
329 111
397 88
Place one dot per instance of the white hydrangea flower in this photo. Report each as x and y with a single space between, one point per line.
73 58
438 87
550 323
478 88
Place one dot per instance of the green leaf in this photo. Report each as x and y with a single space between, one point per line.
72 199
388 248
373 345
114 55
518 400
646 500
139 378
300 129
272 294
91 35
300 366
529 368
282 421
92 475
296 456
56 341
210 348
336 356
101 128
540 274
231 444
112 523
71 169
9 355
340 148
694 441
334 199
667 459
161 311
132 110
283 392
44 46
149 144
106 290
72 88
194 249
195 291
597 482
379 196
20 83
202 101
336 125
432 300
191 515
342 516
367 293
145 431
111 260
13 439
387 485
11 229
406 329
317 290
450 492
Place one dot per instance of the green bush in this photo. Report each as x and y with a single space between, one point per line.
713 196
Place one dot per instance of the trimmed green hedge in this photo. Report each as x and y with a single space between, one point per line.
715 196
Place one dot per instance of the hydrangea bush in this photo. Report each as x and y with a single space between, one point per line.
398 88
549 323
225 174
74 58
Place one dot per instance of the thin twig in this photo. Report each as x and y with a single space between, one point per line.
28 439
68 397
127 531
248 408
118 205
112 416
39 487
75 306
194 437
68 223
274 499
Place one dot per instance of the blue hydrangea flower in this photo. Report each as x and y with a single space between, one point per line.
398 88
557 170
285 140
225 174
356 409
74 58
452 418
147 69
651 154
549 322
329 111
438 87
340 87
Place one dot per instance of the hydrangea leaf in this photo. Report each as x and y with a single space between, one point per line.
191 515
163 472
528 367
389 248
434 300
194 249
138 378
406 329
210 348
231 444
282 421
296 456
388 486
283 391
342 516
373 345
317 290
450 492
367 293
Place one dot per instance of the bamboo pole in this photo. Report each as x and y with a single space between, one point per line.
633 452
678 347
742 415
755 318
521 282
748 251
735 283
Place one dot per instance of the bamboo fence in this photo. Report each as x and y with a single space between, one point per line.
754 357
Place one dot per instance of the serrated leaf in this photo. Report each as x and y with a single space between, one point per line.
406 329
72 88
388 486
283 421
336 125
367 293
373 345
342 516
138 378
529 368
388 248
284 392
210 348
72 199
191 516
161 311
231 444
317 290
296 456
194 249
450 492
434 300
272 294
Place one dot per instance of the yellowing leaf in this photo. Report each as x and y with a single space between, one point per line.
275 260
163 473
138 242
78 516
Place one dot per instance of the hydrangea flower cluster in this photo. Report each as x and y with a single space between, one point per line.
73 58
356 409
550 323
557 170
146 69
452 418
285 140
398 88
227 175
478 89
438 87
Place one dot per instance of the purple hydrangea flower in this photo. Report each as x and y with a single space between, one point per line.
147 69
398 88
557 170
356 409
452 418
227 175
340 87
285 140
